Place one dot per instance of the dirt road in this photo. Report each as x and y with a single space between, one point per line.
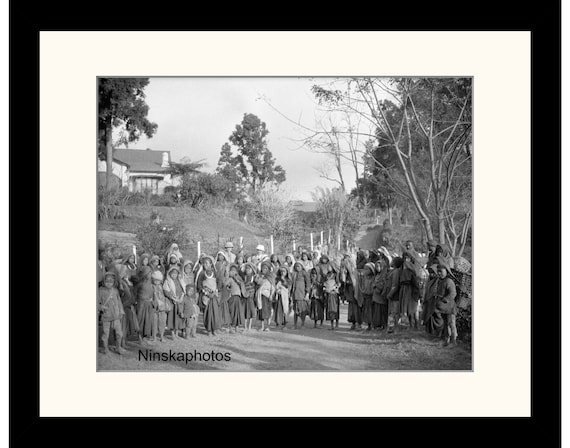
288 350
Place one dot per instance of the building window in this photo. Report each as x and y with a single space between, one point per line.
142 184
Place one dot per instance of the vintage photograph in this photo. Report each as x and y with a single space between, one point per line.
284 223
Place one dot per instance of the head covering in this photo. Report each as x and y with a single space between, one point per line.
233 265
224 254
307 254
204 257
144 271
370 266
433 268
173 254
153 258
157 275
110 274
173 268
300 264
186 263
229 244
268 264
292 259
323 257
122 270
252 266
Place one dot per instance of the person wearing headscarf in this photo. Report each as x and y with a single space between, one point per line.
379 294
173 260
366 281
289 262
187 276
300 289
155 265
331 296
281 303
394 294
144 260
174 291
101 267
207 287
362 257
131 266
306 261
222 276
351 291
317 310
236 287
432 318
431 246
248 299
264 294
275 263
145 307
174 249
315 257
411 251
160 302
240 263
409 291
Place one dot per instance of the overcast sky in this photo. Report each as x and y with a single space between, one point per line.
196 116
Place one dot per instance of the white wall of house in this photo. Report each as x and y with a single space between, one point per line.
118 170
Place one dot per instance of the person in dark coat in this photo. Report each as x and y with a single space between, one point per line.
445 304
433 320
394 294
301 287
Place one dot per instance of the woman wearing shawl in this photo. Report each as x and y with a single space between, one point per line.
275 263
301 287
351 291
222 276
432 318
131 267
207 287
379 295
174 249
155 265
240 262
317 310
144 260
173 260
174 291
394 294
409 290
236 287
264 294
289 263
187 276
366 281
331 296
306 261
145 307
281 303
248 299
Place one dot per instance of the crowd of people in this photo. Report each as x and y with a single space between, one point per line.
154 296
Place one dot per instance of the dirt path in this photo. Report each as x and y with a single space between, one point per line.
367 236
303 349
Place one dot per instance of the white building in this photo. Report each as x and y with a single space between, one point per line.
141 169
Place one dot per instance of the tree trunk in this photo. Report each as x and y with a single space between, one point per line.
109 158
441 226
428 229
390 214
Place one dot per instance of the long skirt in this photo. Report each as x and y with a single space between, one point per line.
332 305
278 312
379 314
248 305
212 317
408 300
317 309
236 311
265 311
367 309
354 312
225 316
173 319
301 308
145 313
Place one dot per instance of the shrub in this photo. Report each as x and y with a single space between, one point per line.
463 323
156 238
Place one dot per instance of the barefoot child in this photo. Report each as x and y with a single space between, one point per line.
263 294
110 307
317 310
248 300
160 303
190 311
332 301
301 287
235 286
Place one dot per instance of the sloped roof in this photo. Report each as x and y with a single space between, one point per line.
141 160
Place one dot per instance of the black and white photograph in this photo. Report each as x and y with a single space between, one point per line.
284 223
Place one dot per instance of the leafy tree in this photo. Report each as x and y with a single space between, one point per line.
253 165
122 104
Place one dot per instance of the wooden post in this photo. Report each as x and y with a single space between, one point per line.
241 241
346 244
294 246
272 252
338 243
135 253
199 250
312 249
321 239
329 240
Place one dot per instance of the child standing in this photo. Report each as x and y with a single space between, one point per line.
366 283
263 294
317 310
432 318
300 289
351 291
222 276
281 303
248 300
130 321
445 304
332 301
394 294
207 286
174 291
190 311
379 293
160 303
146 313
236 286
110 307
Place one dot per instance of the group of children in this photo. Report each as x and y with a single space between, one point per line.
232 291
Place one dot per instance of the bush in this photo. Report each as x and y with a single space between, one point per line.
156 238
463 323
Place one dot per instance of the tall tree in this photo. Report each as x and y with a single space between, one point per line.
254 164
122 104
